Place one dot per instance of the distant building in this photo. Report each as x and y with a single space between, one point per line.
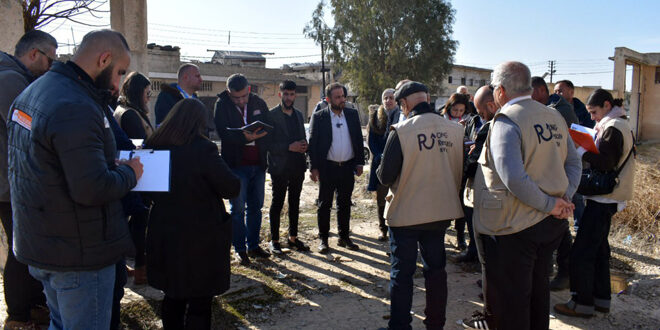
239 58
461 75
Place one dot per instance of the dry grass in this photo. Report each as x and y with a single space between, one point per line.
641 217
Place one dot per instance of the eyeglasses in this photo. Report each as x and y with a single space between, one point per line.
50 59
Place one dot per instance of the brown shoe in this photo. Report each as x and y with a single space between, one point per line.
17 325
140 274
565 309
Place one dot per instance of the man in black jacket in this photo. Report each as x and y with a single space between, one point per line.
286 164
245 153
336 154
189 81
33 56
66 185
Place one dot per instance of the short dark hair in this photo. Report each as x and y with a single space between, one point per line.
539 82
567 82
105 39
287 85
237 82
599 96
132 89
184 68
34 39
186 121
333 86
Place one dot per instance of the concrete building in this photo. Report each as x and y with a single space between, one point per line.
644 101
469 76
239 58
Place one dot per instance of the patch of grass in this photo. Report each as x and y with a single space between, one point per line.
143 314
641 217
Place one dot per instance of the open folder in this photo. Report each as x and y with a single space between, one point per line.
156 164
252 127
584 137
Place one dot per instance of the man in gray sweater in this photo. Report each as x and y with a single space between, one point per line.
33 55
528 172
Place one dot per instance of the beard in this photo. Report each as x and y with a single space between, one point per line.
338 107
287 106
104 79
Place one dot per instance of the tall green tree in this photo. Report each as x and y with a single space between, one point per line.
376 43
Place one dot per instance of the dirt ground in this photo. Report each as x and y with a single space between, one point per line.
349 289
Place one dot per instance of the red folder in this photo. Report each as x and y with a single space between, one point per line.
584 137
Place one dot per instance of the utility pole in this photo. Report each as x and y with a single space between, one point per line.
323 69
552 65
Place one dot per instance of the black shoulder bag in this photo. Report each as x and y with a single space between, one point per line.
596 182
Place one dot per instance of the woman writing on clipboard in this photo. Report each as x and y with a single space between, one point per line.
590 254
189 233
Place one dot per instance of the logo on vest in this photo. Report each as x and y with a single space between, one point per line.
436 139
548 133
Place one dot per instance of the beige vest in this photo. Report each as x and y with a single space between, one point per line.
544 148
427 188
624 189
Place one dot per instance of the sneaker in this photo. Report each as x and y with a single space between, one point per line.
323 246
478 320
560 282
243 259
347 243
258 252
602 309
382 236
275 248
298 245
17 325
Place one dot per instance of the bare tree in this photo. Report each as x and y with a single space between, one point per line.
37 13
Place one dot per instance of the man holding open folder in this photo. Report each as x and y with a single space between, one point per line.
245 153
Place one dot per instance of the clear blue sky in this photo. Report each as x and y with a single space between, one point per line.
579 35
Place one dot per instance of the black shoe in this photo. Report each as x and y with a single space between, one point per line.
466 257
298 245
323 246
601 309
382 236
258 252
567 309
560 282
275 248
243 259
478 320
347 243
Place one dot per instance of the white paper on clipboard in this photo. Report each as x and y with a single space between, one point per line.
156 164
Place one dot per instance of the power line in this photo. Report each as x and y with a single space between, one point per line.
220 30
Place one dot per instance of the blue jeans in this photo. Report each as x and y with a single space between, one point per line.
246 221
78 300
403 244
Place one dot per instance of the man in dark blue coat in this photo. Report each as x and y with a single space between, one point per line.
66 185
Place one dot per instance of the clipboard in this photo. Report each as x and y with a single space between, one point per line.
253 127
156 176
584 137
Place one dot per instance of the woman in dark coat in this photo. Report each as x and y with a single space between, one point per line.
376 139
189 233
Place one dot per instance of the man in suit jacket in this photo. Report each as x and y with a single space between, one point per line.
245 153
336 154
286 164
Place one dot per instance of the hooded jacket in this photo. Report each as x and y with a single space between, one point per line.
65 185
14 78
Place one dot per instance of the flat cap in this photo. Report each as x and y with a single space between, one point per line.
408 88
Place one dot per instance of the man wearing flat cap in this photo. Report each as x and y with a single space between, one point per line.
423 165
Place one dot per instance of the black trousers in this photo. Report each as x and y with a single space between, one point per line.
590 256
517 274
197 316
121 277
335 179
137 225
564 254
381 193
291 180
22 291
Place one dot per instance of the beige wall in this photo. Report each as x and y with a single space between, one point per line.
11 20
650 105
